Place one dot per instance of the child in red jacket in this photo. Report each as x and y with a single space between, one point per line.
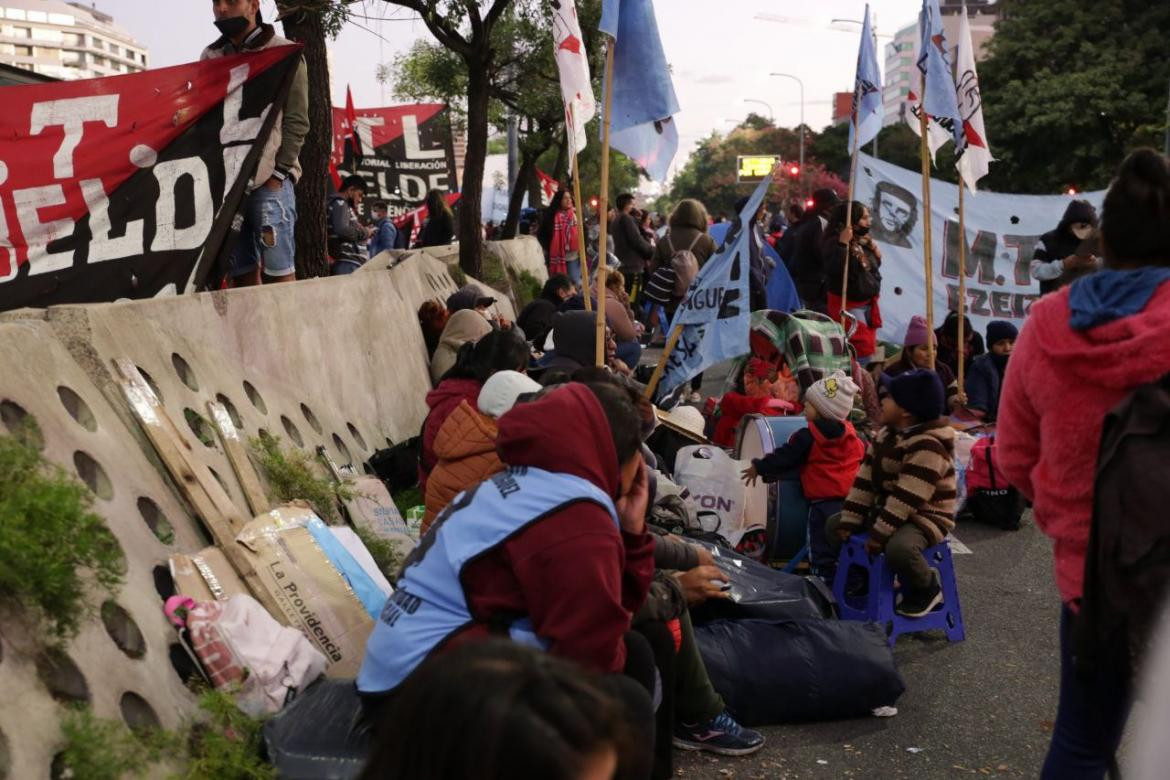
827 455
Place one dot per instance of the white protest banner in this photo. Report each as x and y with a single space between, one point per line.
1002 231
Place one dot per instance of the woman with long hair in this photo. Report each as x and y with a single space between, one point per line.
558 237
440 225
854 246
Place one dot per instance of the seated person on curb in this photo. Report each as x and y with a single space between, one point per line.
985 376
347 237
904 494
686 576
827 455
618 315
916 355
498 350
536 319
466 444
552 552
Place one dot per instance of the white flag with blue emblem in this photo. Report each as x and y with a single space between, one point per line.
940 101
716 314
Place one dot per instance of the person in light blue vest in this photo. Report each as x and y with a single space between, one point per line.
552 552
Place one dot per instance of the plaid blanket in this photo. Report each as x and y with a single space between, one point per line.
813 345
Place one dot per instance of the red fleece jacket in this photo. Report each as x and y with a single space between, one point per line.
573 573
1059 386
441 401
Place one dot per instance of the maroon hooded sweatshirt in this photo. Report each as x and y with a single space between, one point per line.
441 401
573 573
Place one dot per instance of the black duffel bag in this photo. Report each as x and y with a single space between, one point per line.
322 735
763 593
794 671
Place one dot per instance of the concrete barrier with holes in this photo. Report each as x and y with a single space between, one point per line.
338 363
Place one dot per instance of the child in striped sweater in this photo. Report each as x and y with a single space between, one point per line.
904 495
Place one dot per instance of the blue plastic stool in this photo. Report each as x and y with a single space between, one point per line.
879 601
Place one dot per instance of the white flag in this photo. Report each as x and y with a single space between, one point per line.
936 134
576 86
975 160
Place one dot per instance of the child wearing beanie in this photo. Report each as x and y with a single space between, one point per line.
904 495
985 377
826 455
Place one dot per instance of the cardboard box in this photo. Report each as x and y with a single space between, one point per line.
311 593
373 511
206 576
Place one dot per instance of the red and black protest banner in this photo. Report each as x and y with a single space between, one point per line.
406 151
127 186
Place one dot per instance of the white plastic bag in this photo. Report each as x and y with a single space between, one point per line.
713 479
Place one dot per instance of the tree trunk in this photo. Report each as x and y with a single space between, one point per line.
527 166
470 217
560 167
312 188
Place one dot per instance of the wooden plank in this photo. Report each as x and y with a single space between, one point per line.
193 478
237 455
183 449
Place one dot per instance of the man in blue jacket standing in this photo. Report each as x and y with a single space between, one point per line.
385 234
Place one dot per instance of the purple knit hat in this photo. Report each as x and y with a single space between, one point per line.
917 333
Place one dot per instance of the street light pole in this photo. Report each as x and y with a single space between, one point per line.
771 114
801 83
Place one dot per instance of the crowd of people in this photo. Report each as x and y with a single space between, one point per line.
557 553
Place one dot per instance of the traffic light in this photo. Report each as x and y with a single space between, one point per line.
808 203
1071 191
794 170
594 203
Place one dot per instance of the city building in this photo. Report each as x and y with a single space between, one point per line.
842 107
66 40
901 71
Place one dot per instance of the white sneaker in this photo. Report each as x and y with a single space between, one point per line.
695 398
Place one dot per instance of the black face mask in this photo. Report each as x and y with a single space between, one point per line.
861 230
232 26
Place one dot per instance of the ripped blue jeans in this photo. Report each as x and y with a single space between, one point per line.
266 237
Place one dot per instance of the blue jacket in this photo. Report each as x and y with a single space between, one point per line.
982 386
385 238
429 605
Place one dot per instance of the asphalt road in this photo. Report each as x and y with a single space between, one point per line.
980 707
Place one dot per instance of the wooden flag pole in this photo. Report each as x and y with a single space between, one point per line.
661 367
603 203
581 252
927 259
849 225
962 345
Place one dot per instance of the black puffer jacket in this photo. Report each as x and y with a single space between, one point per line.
347 238
1055 245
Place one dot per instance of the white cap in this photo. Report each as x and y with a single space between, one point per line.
501 390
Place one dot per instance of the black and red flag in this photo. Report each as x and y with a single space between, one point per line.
127 186
405 151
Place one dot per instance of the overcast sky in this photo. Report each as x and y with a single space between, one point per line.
720 51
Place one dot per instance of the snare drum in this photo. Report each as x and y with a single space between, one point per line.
780 506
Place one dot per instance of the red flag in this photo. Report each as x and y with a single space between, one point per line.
548 187
351 123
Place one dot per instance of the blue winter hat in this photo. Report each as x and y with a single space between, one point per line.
919 392
998 330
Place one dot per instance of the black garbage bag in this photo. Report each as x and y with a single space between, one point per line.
793 671
760 592
321 735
